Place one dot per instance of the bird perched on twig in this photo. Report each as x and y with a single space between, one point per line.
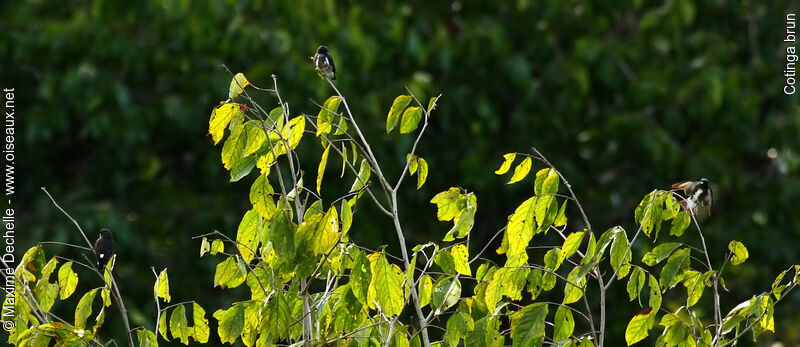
324 63
104 248
695 194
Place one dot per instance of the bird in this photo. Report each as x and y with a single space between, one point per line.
695 194
104 248
324 63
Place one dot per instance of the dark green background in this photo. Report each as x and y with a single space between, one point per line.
113 101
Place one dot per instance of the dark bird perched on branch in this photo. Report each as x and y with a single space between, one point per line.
104 248
695 194
324 63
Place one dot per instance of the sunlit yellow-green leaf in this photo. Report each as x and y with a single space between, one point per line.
326 115
425 289
146 338
461 259
739 251
564 323
621 255
231 323
230 273
573 290
246 235
572 243
178 326
521 170
400 103
422 173
161 287
528 324
67 280
446 293
639 326
655 293
672 271
636 283
508 160
200 329
84 309
220 117
261 198
411 118
238 83
363 176
386 287
321 168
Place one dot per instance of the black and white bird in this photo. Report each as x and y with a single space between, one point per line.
324 63
104 248
695 194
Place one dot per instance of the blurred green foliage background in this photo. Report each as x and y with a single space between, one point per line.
113 100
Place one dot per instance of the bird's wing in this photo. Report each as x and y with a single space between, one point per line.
682 185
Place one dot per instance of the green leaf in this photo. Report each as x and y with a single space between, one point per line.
680 223
571 292
655 293
237 85
200 330
422 173
530 324
461 259
231 323
447 292
146 338
425 289
246 240
163 328
572 243
561 217
639 326
217 246
521 170
648 213
400 103
67 280
363 176
84 309
636 283
553 259
261 198
347 217
676 264
739 251
360 276
205 246
695 283
230 273
326 233
161 287
386 286
458 326
242 167
621 255
220 118
411 118
445 261
659 253
508 160
178 326
564 323
432 103
519 233
326 115
321 168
